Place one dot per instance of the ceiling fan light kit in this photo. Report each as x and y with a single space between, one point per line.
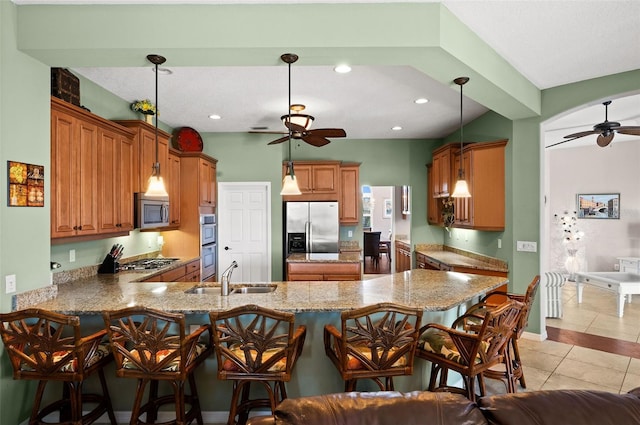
461 189
299 124
156 187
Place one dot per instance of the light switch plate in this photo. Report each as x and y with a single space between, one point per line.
10 281
527 246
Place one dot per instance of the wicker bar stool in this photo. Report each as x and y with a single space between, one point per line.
256 344
47 346
152 346
374 342
513 352
469 347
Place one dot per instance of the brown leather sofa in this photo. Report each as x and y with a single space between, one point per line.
558 407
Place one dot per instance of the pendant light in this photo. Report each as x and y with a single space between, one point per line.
461 189
289 183
155 187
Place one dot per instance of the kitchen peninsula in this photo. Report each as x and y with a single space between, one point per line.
443 295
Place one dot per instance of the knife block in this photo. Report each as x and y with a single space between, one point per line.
109 265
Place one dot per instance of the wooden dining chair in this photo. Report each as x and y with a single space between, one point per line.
375 342
469 347
255 344
45 346
372 247
152 346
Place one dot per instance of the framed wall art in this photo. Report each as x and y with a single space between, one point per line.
386 213
598 205
26 184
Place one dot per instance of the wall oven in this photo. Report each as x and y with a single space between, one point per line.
208 249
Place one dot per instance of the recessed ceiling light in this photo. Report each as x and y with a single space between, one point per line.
342 69
215 117
421 100
396 128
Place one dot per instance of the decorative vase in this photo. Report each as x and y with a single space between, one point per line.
148 118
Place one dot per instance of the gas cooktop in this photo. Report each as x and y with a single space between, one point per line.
148 264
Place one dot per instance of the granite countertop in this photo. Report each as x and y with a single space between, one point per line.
454 257
343 257
430 290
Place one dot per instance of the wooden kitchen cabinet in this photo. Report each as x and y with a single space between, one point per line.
441 171
173 188
317 180
434 215
484 165
145 144
91 175
189 272
324 271
207 182
74 173
194 182
403 256
350 194
115 181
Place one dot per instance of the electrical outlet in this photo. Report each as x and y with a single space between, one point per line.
10 281
616 267
499 243
526 246
72 255
350 233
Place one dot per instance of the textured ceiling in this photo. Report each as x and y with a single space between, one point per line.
551 43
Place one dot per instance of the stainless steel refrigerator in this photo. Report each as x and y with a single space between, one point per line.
311 227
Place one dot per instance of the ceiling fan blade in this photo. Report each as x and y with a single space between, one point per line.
314 140
581 134
561 142
295 127
634 131
328 132
604 141
280 140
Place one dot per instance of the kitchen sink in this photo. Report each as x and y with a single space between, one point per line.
254 289
261 289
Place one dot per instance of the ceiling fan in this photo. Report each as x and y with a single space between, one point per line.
605 130
299 124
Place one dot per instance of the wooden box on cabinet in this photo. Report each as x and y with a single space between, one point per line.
350 194
317 180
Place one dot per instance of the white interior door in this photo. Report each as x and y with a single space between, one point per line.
244 230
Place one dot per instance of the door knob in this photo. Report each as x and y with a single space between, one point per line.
226 248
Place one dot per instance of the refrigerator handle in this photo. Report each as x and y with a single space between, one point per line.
309 235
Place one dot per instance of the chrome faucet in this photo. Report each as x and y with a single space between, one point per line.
226 278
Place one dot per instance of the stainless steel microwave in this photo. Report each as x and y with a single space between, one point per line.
151 211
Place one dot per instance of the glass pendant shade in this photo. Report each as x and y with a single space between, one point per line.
155 186
461 189
300 119
290 186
